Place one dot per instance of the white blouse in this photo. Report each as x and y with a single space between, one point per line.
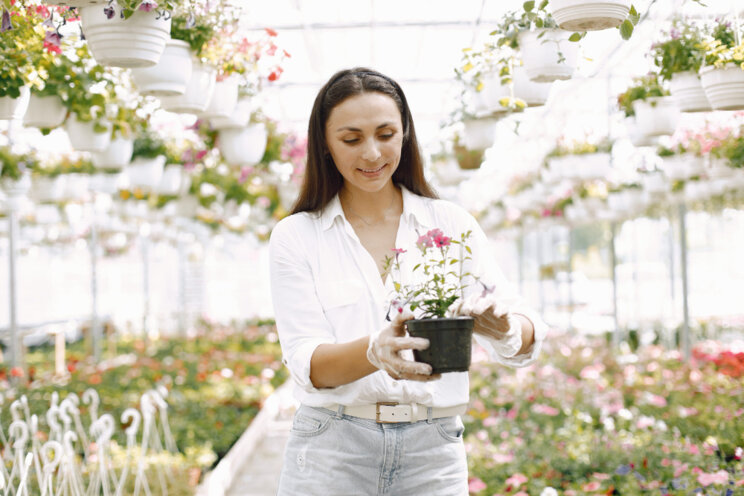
326 288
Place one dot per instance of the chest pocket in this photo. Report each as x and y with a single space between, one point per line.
339 292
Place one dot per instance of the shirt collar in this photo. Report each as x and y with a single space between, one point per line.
414 208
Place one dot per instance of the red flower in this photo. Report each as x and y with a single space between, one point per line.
270 32
16 372
273 76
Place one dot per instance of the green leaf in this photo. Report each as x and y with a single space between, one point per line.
528 6
453 261
574 37
626 29
539 23
467 248
416 266
543 4
397 287
633 15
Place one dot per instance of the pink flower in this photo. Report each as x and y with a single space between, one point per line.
591 486
681 470
441 240
398 251
147 5
424 242
516 480
545 409
738 453
720 477
476 485
600 476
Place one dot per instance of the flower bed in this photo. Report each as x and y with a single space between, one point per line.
588 420
217 382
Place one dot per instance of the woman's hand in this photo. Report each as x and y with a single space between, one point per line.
385 347
493 319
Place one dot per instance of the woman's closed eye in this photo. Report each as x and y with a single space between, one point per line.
351 141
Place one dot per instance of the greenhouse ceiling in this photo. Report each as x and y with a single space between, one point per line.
420 42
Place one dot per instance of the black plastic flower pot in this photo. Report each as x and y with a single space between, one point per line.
449 343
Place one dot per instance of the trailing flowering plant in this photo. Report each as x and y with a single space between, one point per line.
682 50
442 283
724 47
643 87
13 166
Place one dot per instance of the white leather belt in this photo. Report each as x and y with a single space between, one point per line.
389 412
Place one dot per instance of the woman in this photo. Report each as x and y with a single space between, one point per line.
371 420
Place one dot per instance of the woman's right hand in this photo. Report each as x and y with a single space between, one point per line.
385 347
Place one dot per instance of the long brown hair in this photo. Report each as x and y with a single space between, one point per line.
322 180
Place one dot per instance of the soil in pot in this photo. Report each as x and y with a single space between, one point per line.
450 343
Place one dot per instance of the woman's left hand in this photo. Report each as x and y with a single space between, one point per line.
494 320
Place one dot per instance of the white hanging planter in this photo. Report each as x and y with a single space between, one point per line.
719 169
14 108
186 206
240 117
224 100
198 91
107 183
681 167
173 181
547 54
48 189
115 156
16 188
654 183
245 146
135 42
582 166
479 134
44 112
589 15
687 91
724 87
76 186
487 101
170 75
534 94
76 3
83 136
656 116
145 173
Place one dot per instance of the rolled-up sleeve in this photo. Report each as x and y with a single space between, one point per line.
300 321
485 268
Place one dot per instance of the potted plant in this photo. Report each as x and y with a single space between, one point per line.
17 53
15 177
679 57
681 162
192 26
127 33
649 103
444 278
580 160
126 123
246 145
175 180
148 160
78 171
48 183
595 15
723 75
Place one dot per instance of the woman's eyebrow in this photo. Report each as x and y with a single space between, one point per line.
356 129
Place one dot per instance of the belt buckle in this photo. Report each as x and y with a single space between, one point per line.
377 412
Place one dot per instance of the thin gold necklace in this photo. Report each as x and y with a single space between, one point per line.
384 213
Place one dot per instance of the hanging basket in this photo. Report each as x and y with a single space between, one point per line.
687 91
245 146
534 94
240 117
135 42
44 112
592 15
76 186
107 182
16 188
14 108
224 100
84 137
174 180
547 54
681 167
581 167
48 189
170 75
479 134
145 173
724 87
198 91
656 116
115 156
488 100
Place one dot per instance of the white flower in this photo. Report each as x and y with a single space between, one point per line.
549 491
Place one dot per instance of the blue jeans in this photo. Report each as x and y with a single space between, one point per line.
329 454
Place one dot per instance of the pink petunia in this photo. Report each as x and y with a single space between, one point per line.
148 5
398 250
545 409
720 477
424 241
516 480
476 485
591 486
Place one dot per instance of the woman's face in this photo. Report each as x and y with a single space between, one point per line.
364 134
